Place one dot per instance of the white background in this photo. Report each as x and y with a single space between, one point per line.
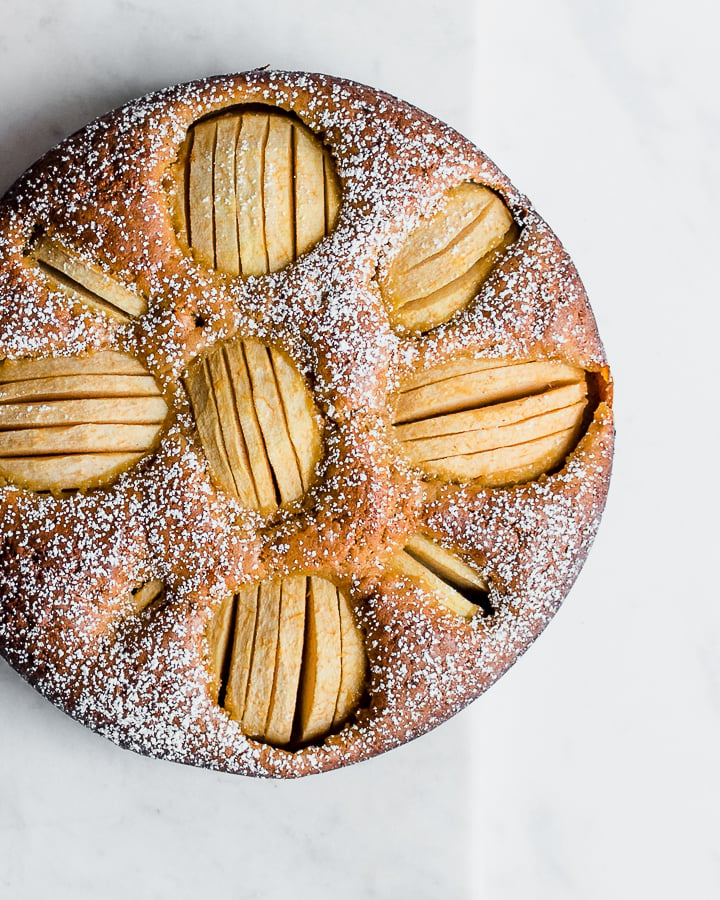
591 769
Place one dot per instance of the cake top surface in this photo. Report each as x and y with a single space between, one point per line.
276 260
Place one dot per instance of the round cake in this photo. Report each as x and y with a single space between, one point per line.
305 424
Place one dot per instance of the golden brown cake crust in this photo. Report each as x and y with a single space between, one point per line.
69 563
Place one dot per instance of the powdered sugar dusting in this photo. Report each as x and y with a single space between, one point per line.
68 564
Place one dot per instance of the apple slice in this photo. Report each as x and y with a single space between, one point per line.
445 564
78 439
241 660
271 418
202 397
483 387
220 637
231 433
116 410
262 669
227 253
353 675
107 362
300 415
257 455
508 465
278 194
200 187
332 193
66 473
322 661
249 193
289 658
147 594
309 190
81 387
492 437
88 283
446 595
462 365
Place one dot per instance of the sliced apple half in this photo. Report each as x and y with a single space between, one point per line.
445 260
287 660
500 422
72 423
443 574
257 423
253 190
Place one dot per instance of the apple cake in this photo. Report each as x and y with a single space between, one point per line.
305 424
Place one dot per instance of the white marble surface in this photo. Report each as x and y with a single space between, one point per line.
590 770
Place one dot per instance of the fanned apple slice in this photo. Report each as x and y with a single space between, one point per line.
496 384
448 256
444 574
77 439
85 282
257 423
72 423
243 642
300 415
296 669
200 187
309 190
322 661
66 473
289 659
114 410
262 667
219 641
78 387
252 434
500 423
353 675
253 190
278 179
202 396
445 564
462 365
147 594
508 465
227 253
106 362
232 439
249 193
